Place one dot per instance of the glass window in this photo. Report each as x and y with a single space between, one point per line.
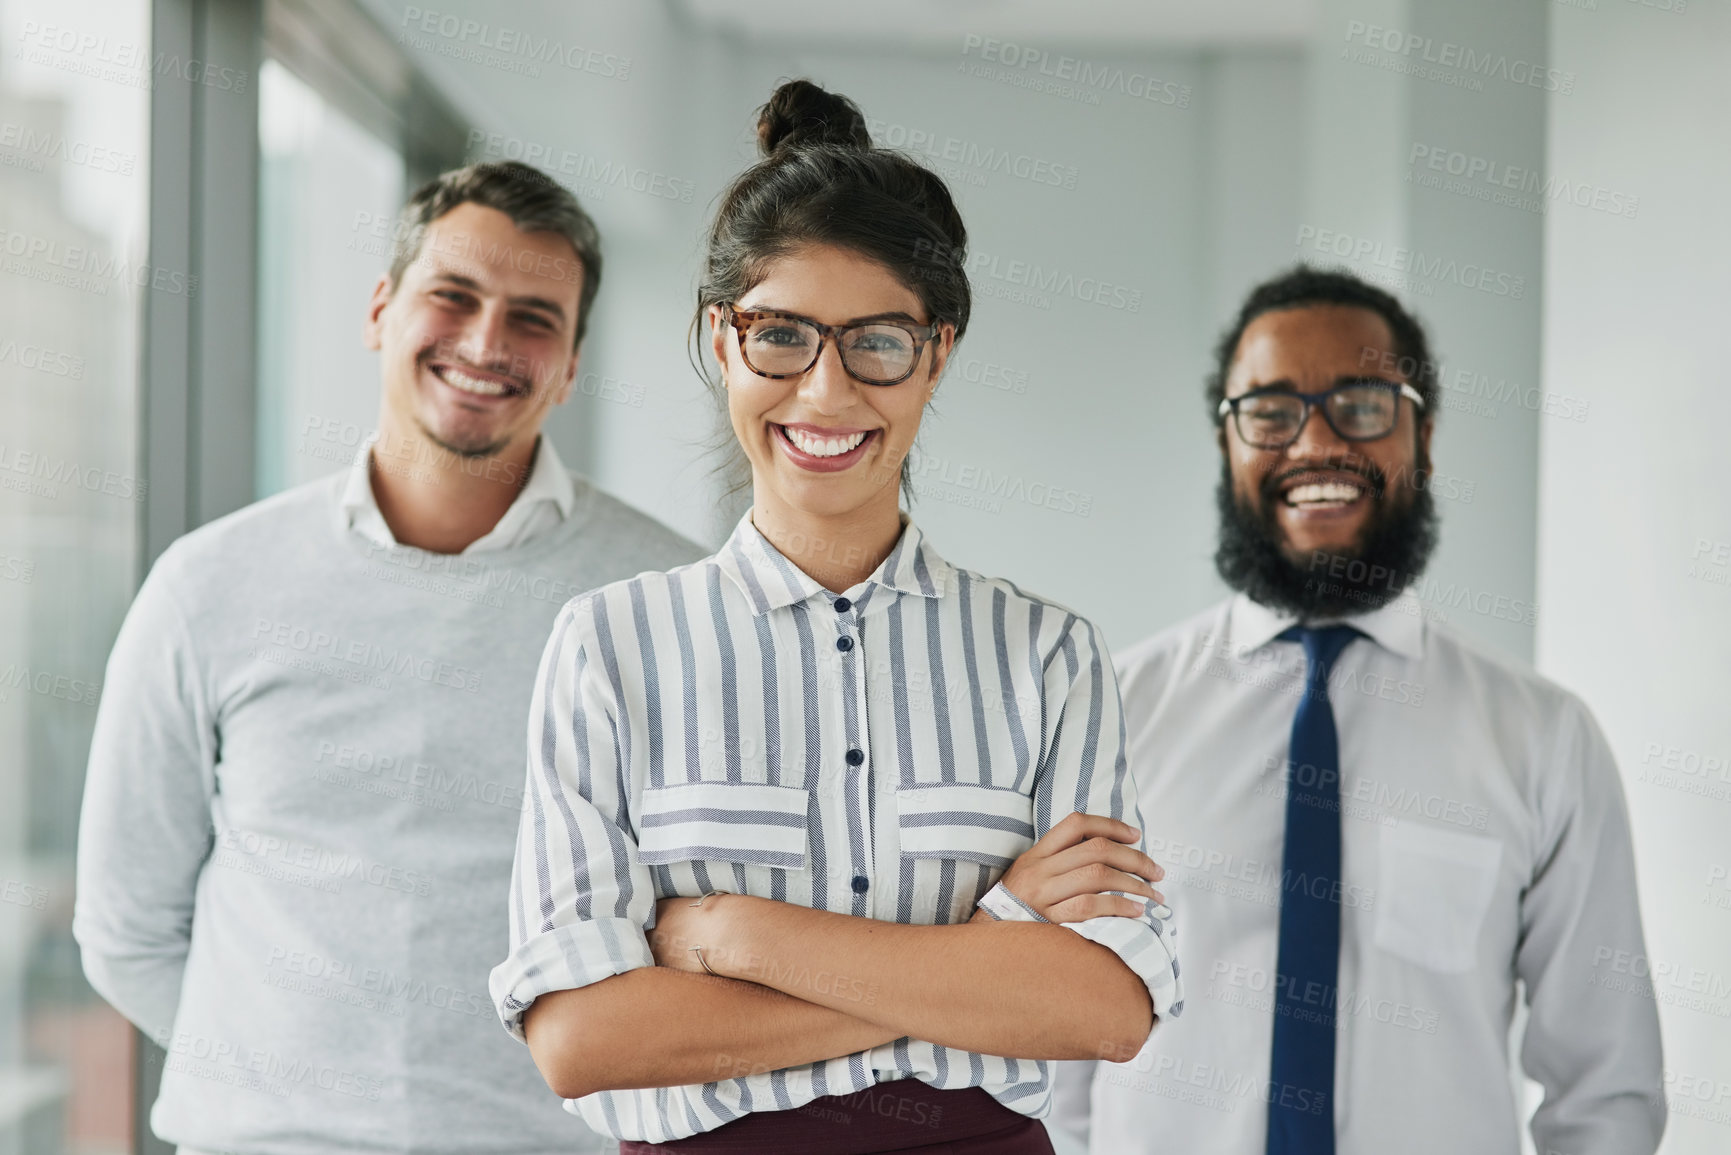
328 195
74 119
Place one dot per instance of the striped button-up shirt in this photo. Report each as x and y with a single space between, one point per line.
886 753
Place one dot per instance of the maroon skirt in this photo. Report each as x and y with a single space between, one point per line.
906 1115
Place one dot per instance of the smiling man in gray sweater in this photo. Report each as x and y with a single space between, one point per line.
307 771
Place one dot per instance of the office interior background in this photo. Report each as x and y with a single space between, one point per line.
196 197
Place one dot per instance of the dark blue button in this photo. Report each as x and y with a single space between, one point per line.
842 605
855 757
861 884
844 644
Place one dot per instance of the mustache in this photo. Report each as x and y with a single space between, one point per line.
1375 479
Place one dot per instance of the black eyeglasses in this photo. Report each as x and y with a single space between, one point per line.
785 345
1273 418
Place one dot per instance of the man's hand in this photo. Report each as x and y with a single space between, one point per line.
1066 875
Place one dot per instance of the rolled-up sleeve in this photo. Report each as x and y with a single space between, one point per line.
580 896
1084 769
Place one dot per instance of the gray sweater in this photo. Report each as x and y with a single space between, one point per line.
299 823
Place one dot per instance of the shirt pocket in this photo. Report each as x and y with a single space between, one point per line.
990 825
1436 888
728 821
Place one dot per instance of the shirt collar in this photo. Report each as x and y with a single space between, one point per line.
548 481
1397 627
770 581
357 498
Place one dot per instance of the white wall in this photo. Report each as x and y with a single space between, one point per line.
1634 505
1469 268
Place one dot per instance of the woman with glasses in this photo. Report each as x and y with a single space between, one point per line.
803 819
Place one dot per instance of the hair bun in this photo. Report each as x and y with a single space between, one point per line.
801 113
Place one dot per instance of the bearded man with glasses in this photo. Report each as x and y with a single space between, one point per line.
1378 835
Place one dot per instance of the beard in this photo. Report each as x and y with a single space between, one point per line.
1391 551
465 447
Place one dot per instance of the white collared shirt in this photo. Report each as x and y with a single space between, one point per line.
1484 840
886 754
544 501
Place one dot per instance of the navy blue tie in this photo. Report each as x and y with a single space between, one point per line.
1301 1070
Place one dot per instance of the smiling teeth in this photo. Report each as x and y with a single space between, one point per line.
468 384
824 446
1322 492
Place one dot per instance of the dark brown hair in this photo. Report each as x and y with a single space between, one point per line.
535 202
822 182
